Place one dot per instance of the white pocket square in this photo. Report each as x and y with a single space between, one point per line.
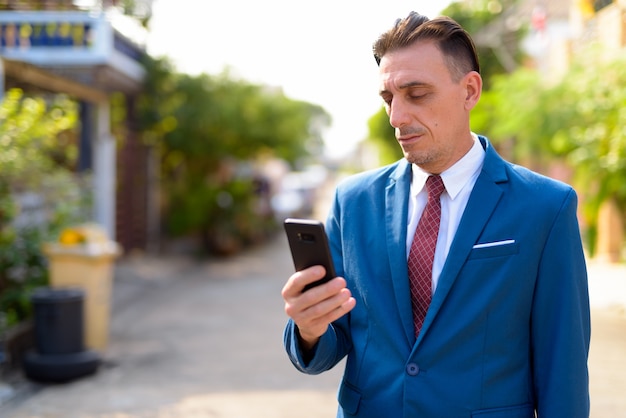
495 243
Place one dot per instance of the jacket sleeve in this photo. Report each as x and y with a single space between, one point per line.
326 354
560 323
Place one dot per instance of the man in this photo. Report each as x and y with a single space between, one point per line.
502 329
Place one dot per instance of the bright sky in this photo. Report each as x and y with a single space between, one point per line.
319 52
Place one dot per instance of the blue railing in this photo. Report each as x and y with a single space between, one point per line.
50 34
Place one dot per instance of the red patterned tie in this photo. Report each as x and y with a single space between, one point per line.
423 251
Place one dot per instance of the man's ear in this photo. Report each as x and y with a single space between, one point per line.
473 86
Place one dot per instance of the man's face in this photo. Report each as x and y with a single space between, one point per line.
427 108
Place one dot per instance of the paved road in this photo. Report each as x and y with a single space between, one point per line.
194 339
203 339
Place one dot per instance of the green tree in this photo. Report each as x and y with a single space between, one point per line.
382 135
511 114
219 117
209 127
35 137
29 136
497 33
594 140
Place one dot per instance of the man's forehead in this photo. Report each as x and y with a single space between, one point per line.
389 82
417 58
405 77
418 64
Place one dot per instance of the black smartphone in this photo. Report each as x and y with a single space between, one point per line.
309 247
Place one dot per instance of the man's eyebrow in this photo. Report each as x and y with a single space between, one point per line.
405 86
414 84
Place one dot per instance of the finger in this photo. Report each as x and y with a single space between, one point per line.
314 322
300 302
333 305
299 280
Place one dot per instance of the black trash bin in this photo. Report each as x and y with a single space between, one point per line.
59 353
58 315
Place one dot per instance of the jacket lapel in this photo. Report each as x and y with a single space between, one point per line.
396 204
482 202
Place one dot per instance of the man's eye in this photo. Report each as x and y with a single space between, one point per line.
417 96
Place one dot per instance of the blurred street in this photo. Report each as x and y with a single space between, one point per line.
203 339
193 339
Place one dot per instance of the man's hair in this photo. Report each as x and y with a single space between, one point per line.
452 40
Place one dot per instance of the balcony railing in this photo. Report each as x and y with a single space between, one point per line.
66 40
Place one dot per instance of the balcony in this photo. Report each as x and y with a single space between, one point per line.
101 50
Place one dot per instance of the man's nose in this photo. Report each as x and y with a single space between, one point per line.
398 114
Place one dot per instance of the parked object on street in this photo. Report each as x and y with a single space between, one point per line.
298 192
59 354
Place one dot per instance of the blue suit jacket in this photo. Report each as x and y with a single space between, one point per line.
507 333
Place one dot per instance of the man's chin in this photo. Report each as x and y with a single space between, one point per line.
415 158
425 162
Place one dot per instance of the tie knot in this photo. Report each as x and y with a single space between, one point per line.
434 186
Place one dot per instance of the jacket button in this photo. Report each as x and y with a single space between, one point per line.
412 369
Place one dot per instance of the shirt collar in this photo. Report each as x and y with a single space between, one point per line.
455 177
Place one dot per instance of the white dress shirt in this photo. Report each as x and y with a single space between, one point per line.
459 181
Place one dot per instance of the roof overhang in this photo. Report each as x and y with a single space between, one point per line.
28 74
83 47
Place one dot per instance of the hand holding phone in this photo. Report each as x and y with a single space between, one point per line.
309 247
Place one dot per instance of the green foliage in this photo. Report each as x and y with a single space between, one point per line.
22 269
158 101
509 112
219 117
205 126
596 137
382 135
498 39
30 132
225 215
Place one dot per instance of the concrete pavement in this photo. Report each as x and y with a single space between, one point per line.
192 339
203 339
